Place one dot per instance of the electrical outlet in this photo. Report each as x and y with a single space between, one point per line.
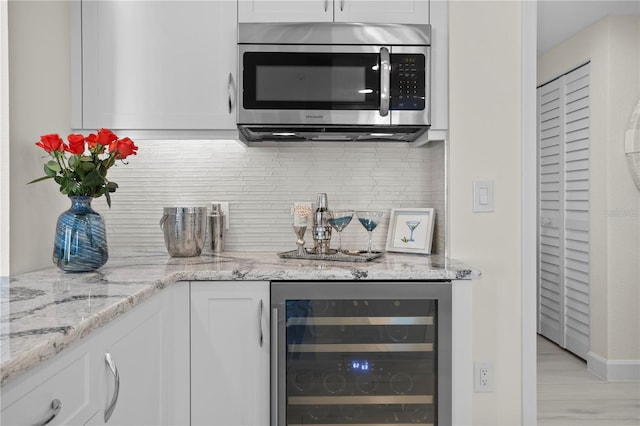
224 206
483 376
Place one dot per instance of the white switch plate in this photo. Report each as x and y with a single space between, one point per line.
482 196
224 206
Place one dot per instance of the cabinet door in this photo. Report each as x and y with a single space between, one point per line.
382 11
134 345
285 11
229 353
159 64
149 348
58 390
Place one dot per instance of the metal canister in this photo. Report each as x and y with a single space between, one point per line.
184 230
216 229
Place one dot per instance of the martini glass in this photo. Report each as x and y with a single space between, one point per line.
370 220
339 219
412 224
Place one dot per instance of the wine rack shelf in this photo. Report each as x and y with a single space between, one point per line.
362 347
359 321
368 399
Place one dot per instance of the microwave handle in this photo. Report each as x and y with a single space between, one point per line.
385 81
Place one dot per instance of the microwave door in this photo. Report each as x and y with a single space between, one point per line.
314 85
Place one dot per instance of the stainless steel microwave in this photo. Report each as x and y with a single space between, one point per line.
333 81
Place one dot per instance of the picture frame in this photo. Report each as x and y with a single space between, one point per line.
411 230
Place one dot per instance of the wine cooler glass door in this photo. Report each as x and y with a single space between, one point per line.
374 353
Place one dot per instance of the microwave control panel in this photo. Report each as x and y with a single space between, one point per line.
407 82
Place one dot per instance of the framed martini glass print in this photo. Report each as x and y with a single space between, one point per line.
411 230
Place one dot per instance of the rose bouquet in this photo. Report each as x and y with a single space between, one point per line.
80 166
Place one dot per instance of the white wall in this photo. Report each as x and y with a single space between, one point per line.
613 47
485 131
39 98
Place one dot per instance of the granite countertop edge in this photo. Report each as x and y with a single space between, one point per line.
111 293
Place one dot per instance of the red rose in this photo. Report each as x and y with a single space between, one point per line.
76 144
105 137
123 147
50 142
92 140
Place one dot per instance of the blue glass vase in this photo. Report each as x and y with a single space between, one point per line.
81 241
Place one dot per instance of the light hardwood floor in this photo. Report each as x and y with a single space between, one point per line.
569 395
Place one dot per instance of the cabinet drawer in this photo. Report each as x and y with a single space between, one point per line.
29 399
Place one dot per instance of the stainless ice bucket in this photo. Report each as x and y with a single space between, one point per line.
184 230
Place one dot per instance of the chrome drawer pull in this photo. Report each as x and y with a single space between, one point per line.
231 90
56 406
114 370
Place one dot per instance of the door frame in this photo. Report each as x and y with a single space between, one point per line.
528 212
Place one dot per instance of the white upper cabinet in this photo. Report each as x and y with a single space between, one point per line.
285 11
382 11
155 65
378 11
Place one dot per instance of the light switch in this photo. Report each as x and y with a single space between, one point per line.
483 196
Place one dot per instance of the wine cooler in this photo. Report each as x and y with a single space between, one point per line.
361 353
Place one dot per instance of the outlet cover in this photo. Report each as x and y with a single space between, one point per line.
483 376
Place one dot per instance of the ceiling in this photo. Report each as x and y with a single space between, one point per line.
558 20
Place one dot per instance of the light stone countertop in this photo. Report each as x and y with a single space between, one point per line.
44 311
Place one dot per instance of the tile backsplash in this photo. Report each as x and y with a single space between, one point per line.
261 183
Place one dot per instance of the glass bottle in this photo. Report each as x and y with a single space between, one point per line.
321 225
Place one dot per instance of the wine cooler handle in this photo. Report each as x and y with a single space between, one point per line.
274 367
260 334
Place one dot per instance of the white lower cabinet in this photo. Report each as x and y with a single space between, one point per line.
138 387
149 383
64 381
230 353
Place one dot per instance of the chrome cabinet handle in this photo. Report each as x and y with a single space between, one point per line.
231 90
274 367
114 370
260 310
341 5
56 406
326 4
385 81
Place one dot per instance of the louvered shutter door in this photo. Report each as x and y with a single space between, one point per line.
550 160
563 139
576 211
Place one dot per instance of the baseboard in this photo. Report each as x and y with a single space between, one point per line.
613 370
